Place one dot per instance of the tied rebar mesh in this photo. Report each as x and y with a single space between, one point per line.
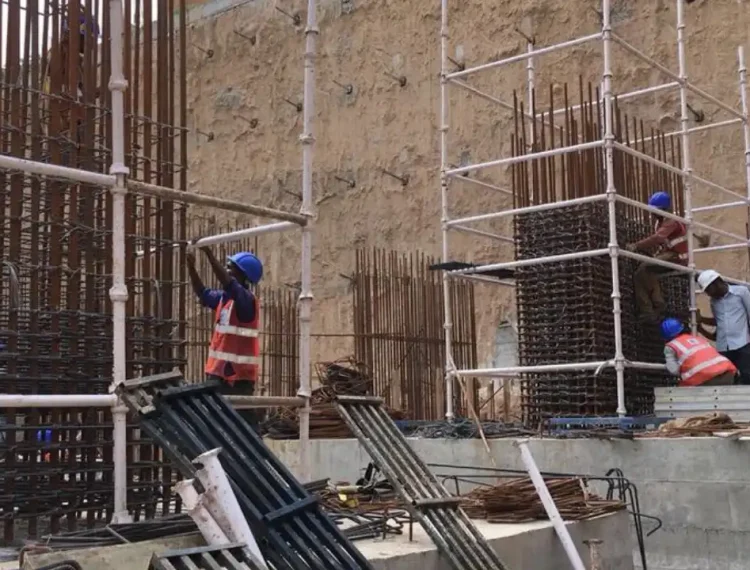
565 311
56 243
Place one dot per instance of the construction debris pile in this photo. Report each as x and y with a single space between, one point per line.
343 377
565 311
516 501
461 428
700 426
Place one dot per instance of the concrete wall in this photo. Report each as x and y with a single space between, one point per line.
382 125
698 487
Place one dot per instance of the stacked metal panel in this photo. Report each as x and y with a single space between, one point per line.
188 420
565 309
227 557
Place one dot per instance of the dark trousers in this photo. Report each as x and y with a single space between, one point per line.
252 416
741 359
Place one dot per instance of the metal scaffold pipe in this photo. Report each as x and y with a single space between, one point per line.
307 212
687 181
609 139
444 181
745 124
119 291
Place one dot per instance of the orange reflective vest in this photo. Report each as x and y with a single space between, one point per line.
236 343
699 361
677 241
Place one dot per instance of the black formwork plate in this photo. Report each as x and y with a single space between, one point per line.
226 557
291 529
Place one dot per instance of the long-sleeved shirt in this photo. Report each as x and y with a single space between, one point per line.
732 314
244 305
673 365
666 231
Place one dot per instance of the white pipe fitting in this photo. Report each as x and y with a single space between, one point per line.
222 503
197 510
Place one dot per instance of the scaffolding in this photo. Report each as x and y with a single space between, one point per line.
608 145
24 168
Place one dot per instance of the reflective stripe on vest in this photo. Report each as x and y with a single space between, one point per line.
688 374
699 361
234 345
238 331
235 358
672 245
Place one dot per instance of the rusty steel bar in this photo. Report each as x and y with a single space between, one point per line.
399 335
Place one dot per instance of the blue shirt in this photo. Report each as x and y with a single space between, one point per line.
244 305
732 314
244 300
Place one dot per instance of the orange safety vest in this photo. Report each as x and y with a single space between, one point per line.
234 342
677 243
699 361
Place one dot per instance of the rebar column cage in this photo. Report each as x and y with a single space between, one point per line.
40 159
608 145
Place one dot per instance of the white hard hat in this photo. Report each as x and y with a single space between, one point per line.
707 277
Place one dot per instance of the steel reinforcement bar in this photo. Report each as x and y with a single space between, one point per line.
188 420
437 511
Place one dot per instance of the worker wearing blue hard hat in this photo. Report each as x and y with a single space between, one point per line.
668 242
234 353
693 359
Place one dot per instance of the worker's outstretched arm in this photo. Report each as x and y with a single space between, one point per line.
710 321
195 279
218 268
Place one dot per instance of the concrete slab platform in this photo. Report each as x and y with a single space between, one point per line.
529 546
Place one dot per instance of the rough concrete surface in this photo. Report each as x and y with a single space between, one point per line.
381 125
529 546
130 556
696 486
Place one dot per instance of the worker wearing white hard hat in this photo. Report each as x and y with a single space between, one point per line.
730 305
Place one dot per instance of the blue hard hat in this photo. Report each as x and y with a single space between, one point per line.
250 265
660 200
670 328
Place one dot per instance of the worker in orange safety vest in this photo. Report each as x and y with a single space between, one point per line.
234 352
693 359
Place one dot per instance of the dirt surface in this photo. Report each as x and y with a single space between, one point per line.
246 95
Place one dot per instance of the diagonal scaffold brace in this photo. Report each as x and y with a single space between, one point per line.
439 513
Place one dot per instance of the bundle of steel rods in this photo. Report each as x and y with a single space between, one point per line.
517 501
343 377
565 310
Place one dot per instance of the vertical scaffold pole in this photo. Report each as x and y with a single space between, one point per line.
444 181
609 139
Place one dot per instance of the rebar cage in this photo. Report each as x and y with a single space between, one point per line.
603 161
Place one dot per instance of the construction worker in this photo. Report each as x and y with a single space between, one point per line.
730 305
233 356
693 359
667 243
